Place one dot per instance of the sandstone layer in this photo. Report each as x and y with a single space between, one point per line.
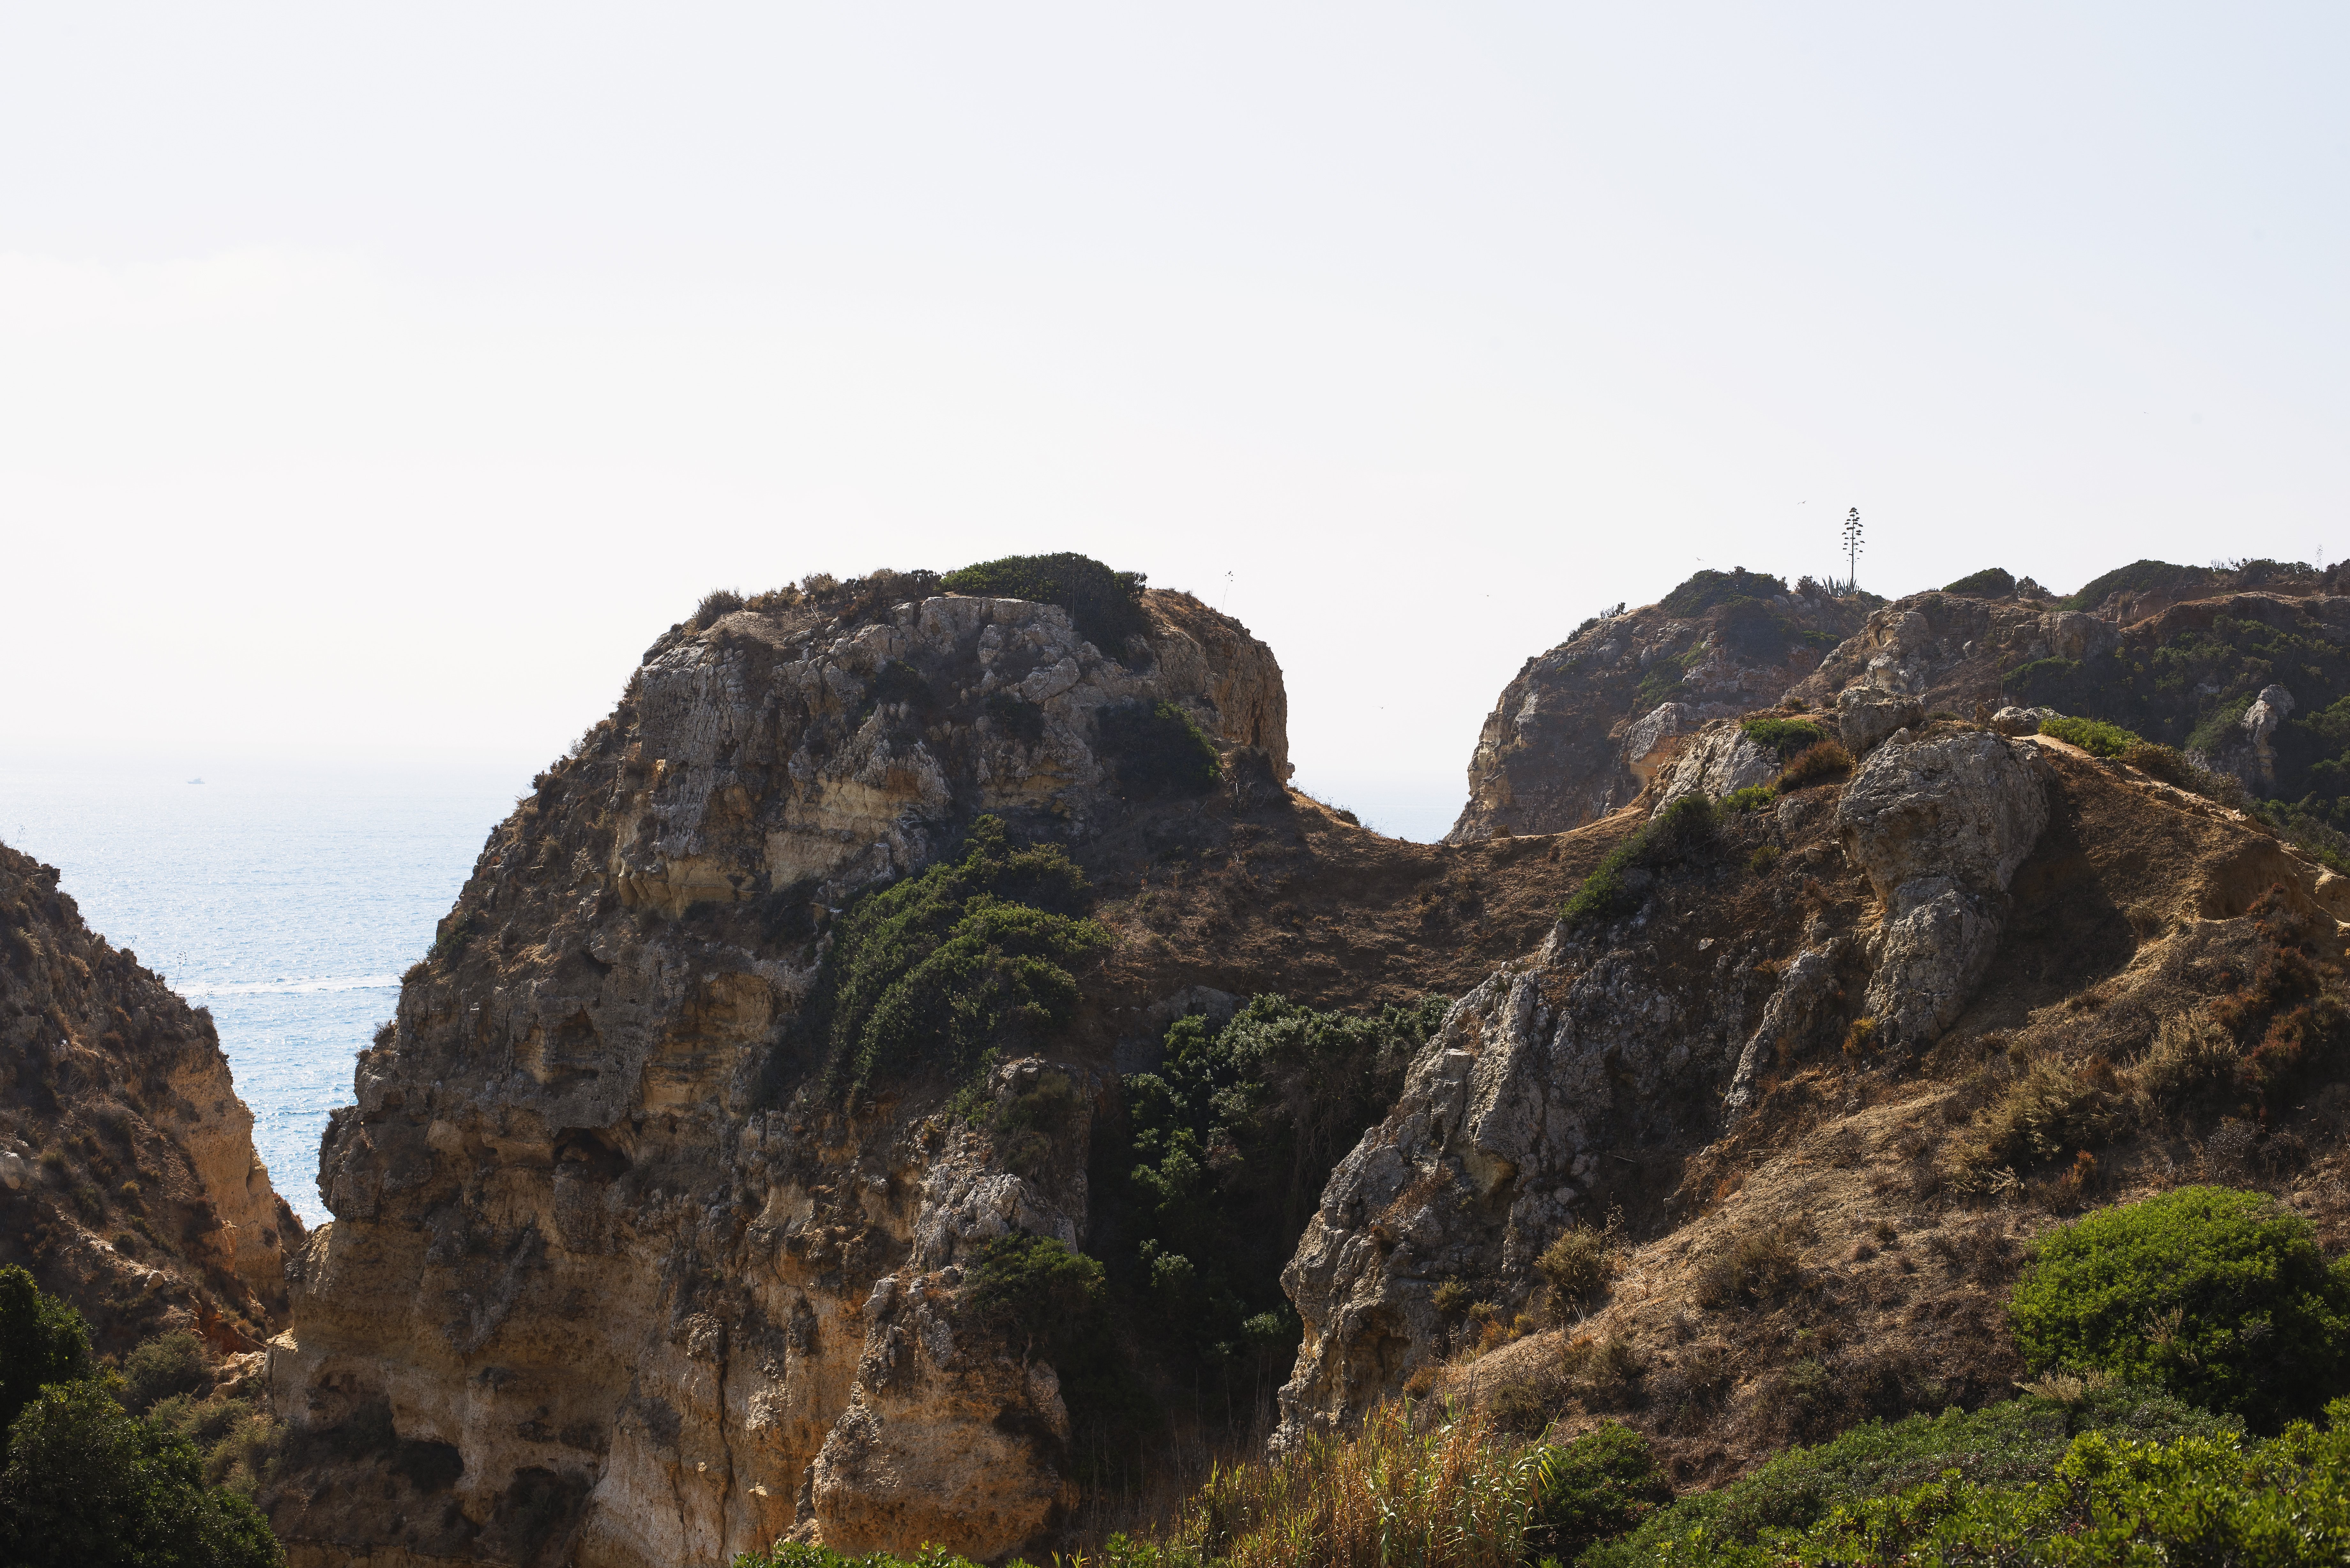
128 1178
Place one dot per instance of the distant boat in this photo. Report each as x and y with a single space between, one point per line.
195 780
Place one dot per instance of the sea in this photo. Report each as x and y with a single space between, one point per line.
286 903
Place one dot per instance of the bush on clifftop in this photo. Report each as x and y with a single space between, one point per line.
1106 604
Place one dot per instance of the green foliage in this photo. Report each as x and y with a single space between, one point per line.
1755 628
1709 588
1595 1489
1687 829
2094 736
2110 1502
160 1367
1037 1289
973 953
42 1340
1107 605
2042 682
1765 856
2137 578
2218 1294
1784 737
2005 1444
1991 583
1662 681
1230 1142
1753 797
88 1484
1159 750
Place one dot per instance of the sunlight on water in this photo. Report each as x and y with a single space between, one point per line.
289 906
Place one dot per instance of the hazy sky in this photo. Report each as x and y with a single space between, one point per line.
376 382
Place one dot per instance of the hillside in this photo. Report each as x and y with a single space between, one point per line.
916 1073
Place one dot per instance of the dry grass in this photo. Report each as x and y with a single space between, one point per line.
1757 1268
1400 1494
1578 1265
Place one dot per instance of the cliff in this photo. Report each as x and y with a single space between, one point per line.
129 1183
624 1267
1581 728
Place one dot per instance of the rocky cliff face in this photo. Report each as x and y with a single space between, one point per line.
1817 976
609 1282
127 1179
1583 729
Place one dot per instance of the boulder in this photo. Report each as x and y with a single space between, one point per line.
1866 716
2014 720
1938 827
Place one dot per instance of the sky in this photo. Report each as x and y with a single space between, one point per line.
377 382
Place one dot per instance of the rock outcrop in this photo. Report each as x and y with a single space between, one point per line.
128 1178
1938 827
635 1291
1625 1069
1584 728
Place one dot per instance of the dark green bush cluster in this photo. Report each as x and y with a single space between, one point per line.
1231 1140
1755 629
1707 588
2219 1295
87 1483
1687 828
2013 1444
940 969
1595 1489
1782 737
1159 750
1991 583
1106 605
1037 1290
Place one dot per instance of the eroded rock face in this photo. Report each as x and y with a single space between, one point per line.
1720 760
1938 827
635 1294
128 1176
1583 728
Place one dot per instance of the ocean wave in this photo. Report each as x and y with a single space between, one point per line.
289 987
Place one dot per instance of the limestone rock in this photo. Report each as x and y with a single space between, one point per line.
1867 717
1721 760
1583 729
2014 720
1939 826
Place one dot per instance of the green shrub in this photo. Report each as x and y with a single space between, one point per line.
1229 1141
1707 588
1107 605
1594 1489
1159 750
1814 765
160 1367
1036 1289
941 968
2094 736
88 1484
42 1340
1753 797
2218 1294
1765 858
1687 828
1784 737
2010 1444
1991 583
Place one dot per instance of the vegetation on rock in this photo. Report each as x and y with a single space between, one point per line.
974 954
1160 751
1615 887
1106 604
